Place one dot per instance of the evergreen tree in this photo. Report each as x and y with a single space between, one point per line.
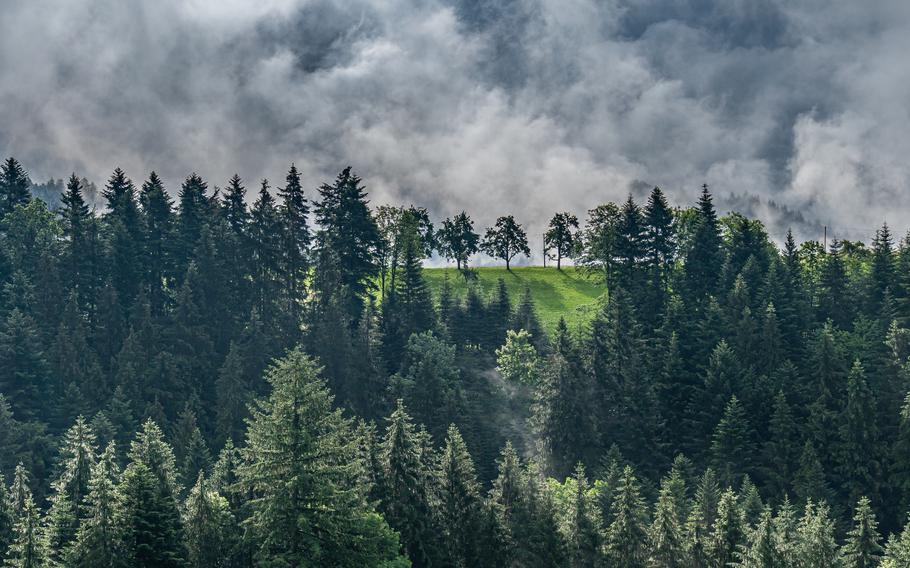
665 544
233 395
704 259
406 490
158 234
76 220
732 445
98 540
24 371
728 531
780 451
461 508
14 184
124 237
505 240
897 551
208 521
301 465
295 242
69 504
265 253
348 230
583 534
193 213
860 465
762 549
817 547
627 537
863 548
659 240
30 548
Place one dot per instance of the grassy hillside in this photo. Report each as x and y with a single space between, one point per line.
565 293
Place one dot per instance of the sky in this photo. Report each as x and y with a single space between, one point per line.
522 107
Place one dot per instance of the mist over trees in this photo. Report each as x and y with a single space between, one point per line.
224 379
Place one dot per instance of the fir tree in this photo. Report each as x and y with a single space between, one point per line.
732 444
728 531
295 241
705 257
157 253
69 505
817 547
193 213
665 544
30 547
859 442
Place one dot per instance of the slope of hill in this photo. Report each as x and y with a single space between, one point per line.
567 293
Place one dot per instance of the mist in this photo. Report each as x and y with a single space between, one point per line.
520 107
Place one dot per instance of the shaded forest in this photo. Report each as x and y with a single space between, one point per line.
220 379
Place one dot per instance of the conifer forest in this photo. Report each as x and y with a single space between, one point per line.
264 377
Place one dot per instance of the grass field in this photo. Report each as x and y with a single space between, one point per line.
565 293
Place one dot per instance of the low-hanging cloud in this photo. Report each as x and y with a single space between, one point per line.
499 106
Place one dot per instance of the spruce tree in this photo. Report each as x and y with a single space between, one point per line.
627 536
461 508
301 465
897 551
124 237
816 546
659 241
704 259
295 242
208 526
14 186
24 370
859 463
75 217
762 551
406 490
98 540
69 504
665 545
157 242
728 531
863 548
233 396
30 547
193 213
732 445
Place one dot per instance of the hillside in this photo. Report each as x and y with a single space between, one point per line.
567 293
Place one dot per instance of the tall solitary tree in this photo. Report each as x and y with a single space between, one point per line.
14 184
560 237
457 239
505 240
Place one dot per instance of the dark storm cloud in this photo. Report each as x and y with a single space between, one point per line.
518 106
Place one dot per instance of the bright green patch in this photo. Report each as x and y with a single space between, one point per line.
567 293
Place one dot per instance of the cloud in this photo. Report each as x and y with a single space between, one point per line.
505 106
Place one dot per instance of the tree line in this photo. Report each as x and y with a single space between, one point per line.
728 402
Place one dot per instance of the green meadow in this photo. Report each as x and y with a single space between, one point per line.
564 293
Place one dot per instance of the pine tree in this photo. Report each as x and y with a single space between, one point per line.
627 537
98 540
207 521
762 551
863 548
897 551
461 508
300 462
780 451
233 396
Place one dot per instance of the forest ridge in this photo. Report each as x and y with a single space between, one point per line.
202 382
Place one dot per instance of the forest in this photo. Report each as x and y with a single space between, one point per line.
219 379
